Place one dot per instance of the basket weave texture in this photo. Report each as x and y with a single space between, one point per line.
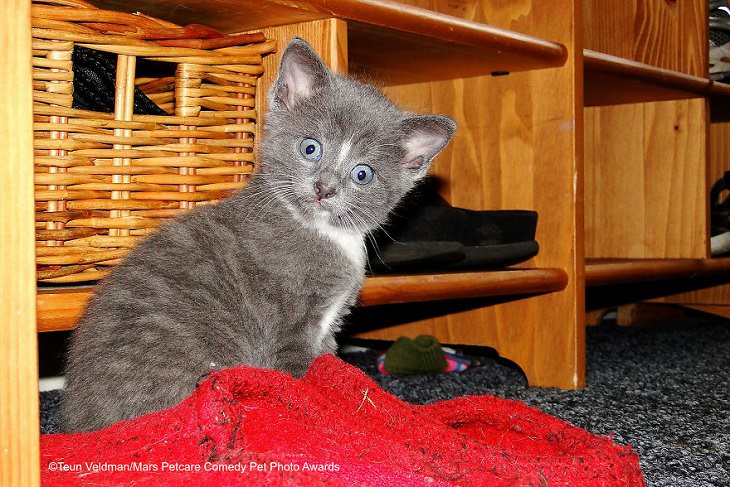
104 180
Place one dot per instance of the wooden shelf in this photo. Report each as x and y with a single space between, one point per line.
391 42
59 309
607 272
398 289
612 80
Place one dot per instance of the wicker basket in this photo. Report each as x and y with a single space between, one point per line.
103 180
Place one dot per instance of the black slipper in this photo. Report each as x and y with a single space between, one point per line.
397 256
441 238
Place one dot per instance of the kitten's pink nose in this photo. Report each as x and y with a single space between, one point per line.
323 192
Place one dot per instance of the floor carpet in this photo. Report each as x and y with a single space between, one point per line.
664 389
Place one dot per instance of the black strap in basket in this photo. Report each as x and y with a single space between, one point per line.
94 79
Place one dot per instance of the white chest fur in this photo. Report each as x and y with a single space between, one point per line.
352 246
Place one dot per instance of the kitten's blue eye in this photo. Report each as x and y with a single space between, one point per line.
362 174
310 149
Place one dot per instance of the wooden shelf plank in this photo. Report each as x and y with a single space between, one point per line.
612 80
60 309
607 272
392 42
398 289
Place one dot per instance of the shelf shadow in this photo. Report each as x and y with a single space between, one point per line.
599 297
363 319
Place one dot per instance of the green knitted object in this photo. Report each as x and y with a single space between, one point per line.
420 356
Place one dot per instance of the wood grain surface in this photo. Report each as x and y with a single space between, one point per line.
646 180
19 446
664 33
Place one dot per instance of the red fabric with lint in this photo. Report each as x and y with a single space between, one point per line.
335 426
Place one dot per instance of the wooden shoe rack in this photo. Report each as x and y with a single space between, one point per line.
596 114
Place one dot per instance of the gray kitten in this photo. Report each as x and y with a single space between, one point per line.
264 277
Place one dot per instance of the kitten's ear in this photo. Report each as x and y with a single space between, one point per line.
301 73
424 137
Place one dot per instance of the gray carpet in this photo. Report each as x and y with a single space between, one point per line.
663 389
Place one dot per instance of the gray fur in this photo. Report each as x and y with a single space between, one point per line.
250 279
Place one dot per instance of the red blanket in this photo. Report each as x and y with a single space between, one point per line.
335 426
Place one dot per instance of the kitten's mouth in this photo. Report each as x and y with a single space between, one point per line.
322 212
318 210
314 208
325 212
321 206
